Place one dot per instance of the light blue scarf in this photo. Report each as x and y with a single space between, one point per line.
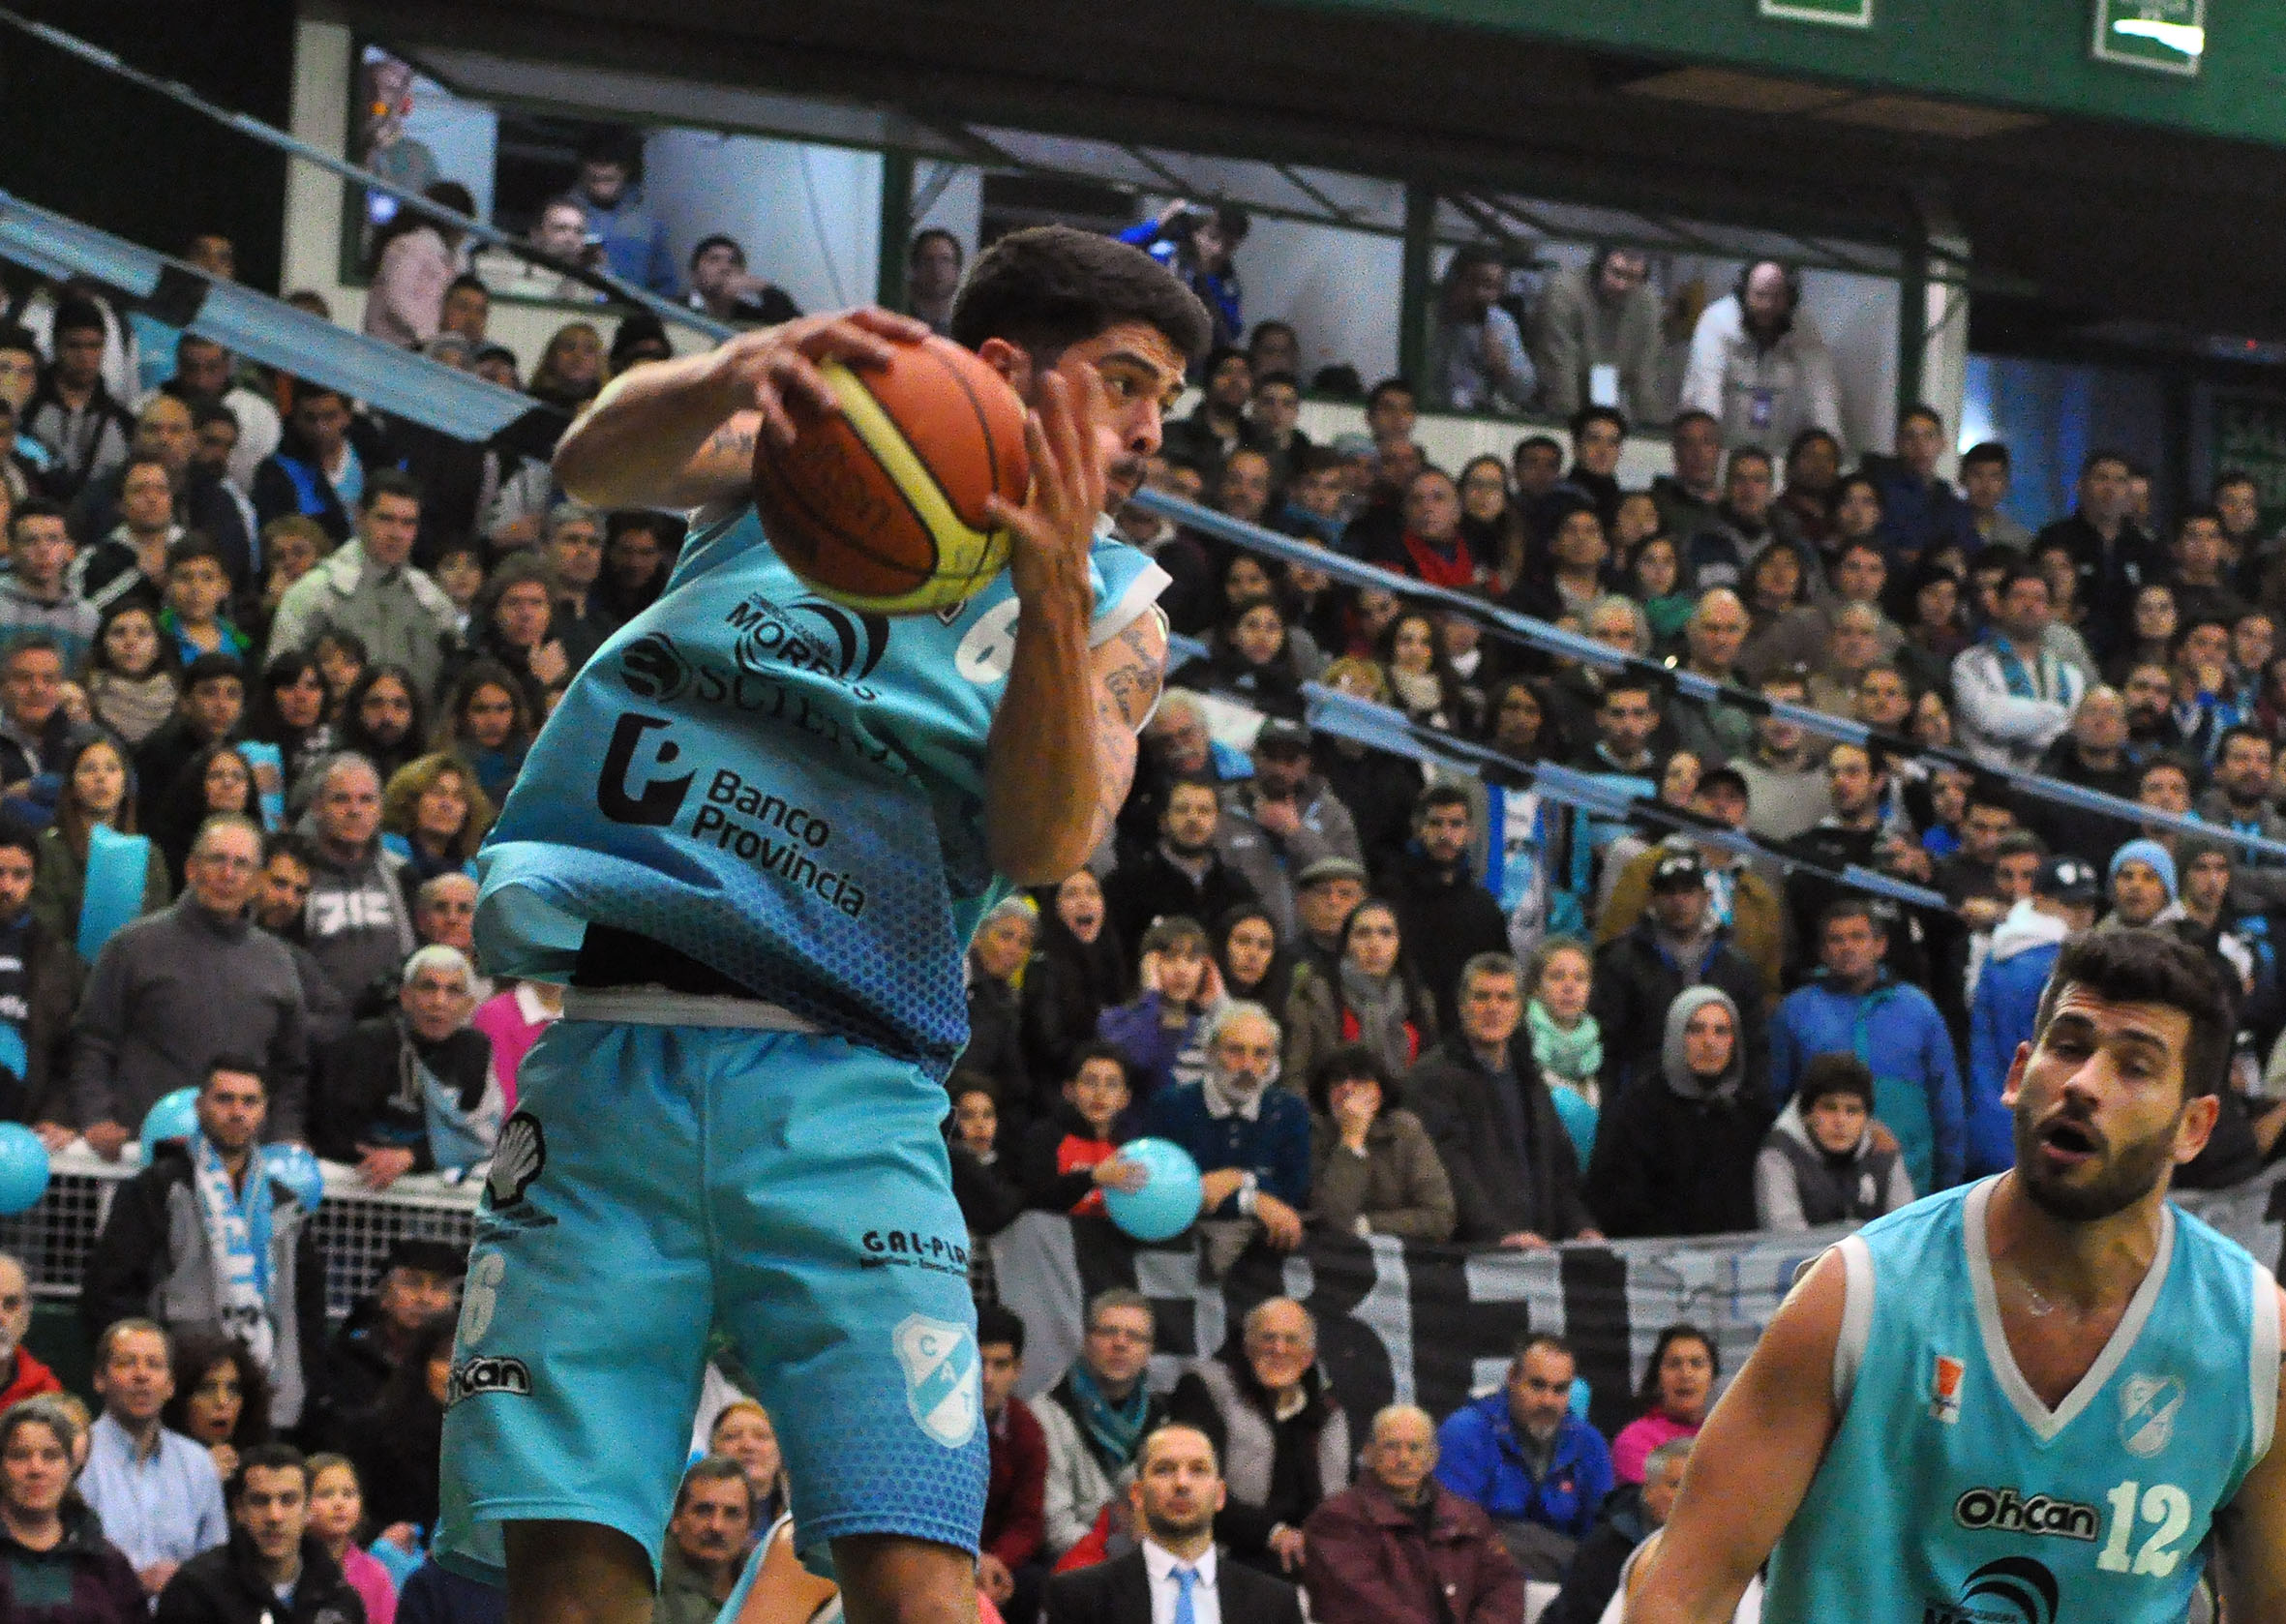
238 1225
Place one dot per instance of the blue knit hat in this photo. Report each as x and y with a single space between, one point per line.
2150 852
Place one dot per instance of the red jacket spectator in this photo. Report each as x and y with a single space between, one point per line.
1015 1525
29 1378
1367 1562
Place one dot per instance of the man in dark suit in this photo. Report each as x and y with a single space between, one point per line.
1175 1576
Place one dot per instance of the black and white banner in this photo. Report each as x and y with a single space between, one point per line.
1428 1325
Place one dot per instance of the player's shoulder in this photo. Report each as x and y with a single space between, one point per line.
2204 1245
1918 1235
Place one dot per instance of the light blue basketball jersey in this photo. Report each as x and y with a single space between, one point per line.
786 789
1951 1496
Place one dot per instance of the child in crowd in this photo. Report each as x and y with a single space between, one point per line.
197 586
1826 1160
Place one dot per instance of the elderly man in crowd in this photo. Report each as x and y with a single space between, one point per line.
1251 1141
25 1376
203 1236
176 990
1394 1549
1539 1471
1628 1521
1282 1438
706 1539
1096 1418
411 1091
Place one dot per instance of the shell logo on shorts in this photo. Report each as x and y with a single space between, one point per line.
516 1160
943 1379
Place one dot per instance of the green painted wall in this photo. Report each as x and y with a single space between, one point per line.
2027 54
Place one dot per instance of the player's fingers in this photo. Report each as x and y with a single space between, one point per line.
1096 408
799 383
903 329
775 424
1060 428
848 343
1047 475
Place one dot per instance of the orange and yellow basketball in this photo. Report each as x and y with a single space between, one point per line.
882 505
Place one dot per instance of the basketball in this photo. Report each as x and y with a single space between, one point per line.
882 506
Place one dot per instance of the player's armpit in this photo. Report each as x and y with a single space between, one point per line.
1129 670
1752 1463
2250 1532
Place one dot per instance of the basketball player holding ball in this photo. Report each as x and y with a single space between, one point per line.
2027 1401
754 839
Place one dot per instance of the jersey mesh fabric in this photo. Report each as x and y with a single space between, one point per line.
784 789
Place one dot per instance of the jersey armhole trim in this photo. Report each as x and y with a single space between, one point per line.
1857 1318
2262 1361
1142 594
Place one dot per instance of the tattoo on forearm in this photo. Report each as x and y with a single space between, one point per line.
732 439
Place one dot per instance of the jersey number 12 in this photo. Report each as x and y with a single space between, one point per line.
2164 1505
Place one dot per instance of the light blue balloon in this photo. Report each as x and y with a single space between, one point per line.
294 1167
171 1116
23 1168
1167 1204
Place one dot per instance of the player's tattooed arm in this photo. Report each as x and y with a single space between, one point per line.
1129 671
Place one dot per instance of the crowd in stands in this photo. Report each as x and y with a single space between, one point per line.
269 663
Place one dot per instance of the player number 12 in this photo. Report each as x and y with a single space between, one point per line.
2163 1504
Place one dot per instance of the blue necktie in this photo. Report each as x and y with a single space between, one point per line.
1185 1578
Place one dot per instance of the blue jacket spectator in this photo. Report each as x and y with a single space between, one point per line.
1235 1122
1920 516
633 239
1864 1010
1196 244
1481 1456
2025 947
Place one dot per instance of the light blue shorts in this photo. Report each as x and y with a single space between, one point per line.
659 1181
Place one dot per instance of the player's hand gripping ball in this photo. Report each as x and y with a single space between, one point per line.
880 506
1168 1201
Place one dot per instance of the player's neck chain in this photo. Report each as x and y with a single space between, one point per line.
2038 1302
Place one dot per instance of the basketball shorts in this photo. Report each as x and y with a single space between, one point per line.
659 1181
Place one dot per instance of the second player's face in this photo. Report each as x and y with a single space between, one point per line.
2098 1104
1141 376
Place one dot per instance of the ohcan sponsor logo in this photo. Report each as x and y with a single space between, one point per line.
488 1373
2004 1511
